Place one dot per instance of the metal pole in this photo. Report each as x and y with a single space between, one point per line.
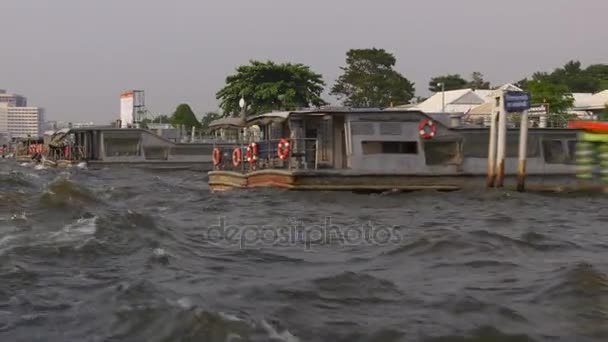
492 147
443 97
502 143
523 147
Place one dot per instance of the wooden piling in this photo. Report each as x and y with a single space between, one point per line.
523 148
502 143
492 150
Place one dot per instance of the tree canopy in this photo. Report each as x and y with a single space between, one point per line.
268 86
557 96
183 115
450 82
455 82
576 79
477 81
369 80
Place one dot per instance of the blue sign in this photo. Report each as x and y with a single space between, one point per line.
517 101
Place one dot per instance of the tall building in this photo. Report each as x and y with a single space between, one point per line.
13 100
25 122
3 118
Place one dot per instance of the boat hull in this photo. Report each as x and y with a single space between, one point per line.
332 181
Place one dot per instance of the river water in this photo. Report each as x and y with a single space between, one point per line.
139 255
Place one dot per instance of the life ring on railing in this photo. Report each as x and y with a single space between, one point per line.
427 128
283 149
39 148
236 156
66 153
252 153
32 149
217 156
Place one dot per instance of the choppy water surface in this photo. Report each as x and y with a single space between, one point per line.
133 255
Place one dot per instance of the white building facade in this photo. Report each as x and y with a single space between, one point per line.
25 122
13 100
3 118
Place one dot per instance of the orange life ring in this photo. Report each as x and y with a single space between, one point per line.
217 156
39 148
67 152
252 153
236 156
427 128
283 149
32 149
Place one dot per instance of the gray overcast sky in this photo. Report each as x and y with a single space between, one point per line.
74 57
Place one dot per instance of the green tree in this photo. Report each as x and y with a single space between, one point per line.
477 81
599 72
557 96
183 115
450 82
267 86
369 80
208 118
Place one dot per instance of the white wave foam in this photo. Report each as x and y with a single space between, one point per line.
274 334
40 167
229 317
185 303
82 165
159 252
76 231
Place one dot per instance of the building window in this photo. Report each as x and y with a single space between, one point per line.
389 147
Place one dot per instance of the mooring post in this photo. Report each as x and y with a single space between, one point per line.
523 148
492 146
502 143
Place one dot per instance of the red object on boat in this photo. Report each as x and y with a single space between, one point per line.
591 126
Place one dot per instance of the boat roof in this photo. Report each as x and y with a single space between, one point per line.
280 116
231 122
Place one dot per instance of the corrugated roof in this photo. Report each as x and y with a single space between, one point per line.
434 104
594 102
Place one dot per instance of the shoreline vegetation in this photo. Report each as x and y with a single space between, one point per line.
369 79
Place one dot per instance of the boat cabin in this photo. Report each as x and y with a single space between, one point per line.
375 141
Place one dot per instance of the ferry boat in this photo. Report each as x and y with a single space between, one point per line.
382 150
107 146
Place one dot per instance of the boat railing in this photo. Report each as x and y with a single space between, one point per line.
301 154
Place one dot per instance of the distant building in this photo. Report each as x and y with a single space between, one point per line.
13 100
3 118
25 121
460 100
595 103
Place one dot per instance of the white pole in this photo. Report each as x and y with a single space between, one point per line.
492 146
502 143
523 145
193 134
443 97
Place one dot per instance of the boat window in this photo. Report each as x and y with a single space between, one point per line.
437 153
554 152
389 147
121 147
571 152
476 146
